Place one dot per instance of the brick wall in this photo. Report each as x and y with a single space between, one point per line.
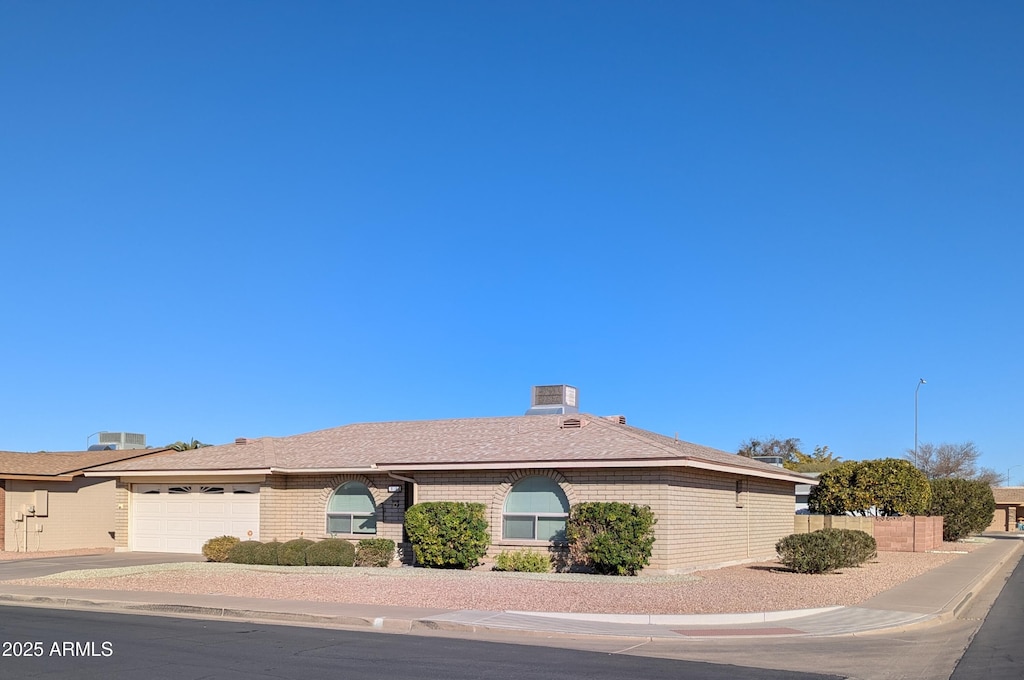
1005 518
121 504
803 524
908 534
892 534
701 520
295 506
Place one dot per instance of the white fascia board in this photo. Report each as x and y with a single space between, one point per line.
784 476
326 471
178 473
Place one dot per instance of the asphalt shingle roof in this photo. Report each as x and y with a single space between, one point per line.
14 464
1009 495
514 441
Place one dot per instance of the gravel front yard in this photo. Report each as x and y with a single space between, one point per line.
747 588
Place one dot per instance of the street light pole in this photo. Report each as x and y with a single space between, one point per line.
1008 472
919 383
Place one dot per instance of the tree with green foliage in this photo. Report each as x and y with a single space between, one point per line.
887 487
837 493
821 460
786 449
966 506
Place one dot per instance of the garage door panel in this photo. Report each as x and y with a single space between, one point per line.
178 526
211 508
149 509
179 508
183 522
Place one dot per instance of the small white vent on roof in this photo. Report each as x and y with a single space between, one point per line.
621 420
571 424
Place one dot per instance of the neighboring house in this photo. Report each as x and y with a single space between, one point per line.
356 481
1009 507
46 503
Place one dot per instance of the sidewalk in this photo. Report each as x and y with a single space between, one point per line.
934 597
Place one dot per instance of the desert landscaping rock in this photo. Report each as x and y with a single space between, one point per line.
745 588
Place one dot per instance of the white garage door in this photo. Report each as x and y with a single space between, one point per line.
181 517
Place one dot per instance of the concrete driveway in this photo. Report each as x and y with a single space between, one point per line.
44 566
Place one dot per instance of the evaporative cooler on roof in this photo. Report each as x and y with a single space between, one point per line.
553 400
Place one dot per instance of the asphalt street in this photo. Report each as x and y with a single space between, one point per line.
50 643
997 650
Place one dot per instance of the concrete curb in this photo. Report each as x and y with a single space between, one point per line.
379 623
948 613
684 619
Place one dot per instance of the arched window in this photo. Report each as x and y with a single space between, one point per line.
536 509
351 510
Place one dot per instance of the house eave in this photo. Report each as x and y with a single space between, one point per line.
68 477
180 473
785 476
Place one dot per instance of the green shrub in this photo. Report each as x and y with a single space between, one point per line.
447 534
374 552
611 538
826 550
331 552
244 552
217 549
267 553
293 552
966 507
891 486
523 560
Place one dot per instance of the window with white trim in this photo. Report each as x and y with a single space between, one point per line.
535 509
351 510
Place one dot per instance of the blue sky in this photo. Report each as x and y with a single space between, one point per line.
725 220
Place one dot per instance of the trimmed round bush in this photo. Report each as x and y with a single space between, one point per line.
447 534
611 538
331 552
523 560
374 552
244 552
217 549
293 552
825 550
266 553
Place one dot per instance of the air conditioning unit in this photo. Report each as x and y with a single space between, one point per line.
122 440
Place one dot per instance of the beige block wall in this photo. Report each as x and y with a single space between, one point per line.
295 506
699 523
81 514
1005 518
121 501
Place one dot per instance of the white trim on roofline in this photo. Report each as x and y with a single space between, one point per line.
783 475
178 473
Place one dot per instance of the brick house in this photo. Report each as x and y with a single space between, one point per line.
1009 508
47 503
356 481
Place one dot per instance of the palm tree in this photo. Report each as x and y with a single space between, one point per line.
185 446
